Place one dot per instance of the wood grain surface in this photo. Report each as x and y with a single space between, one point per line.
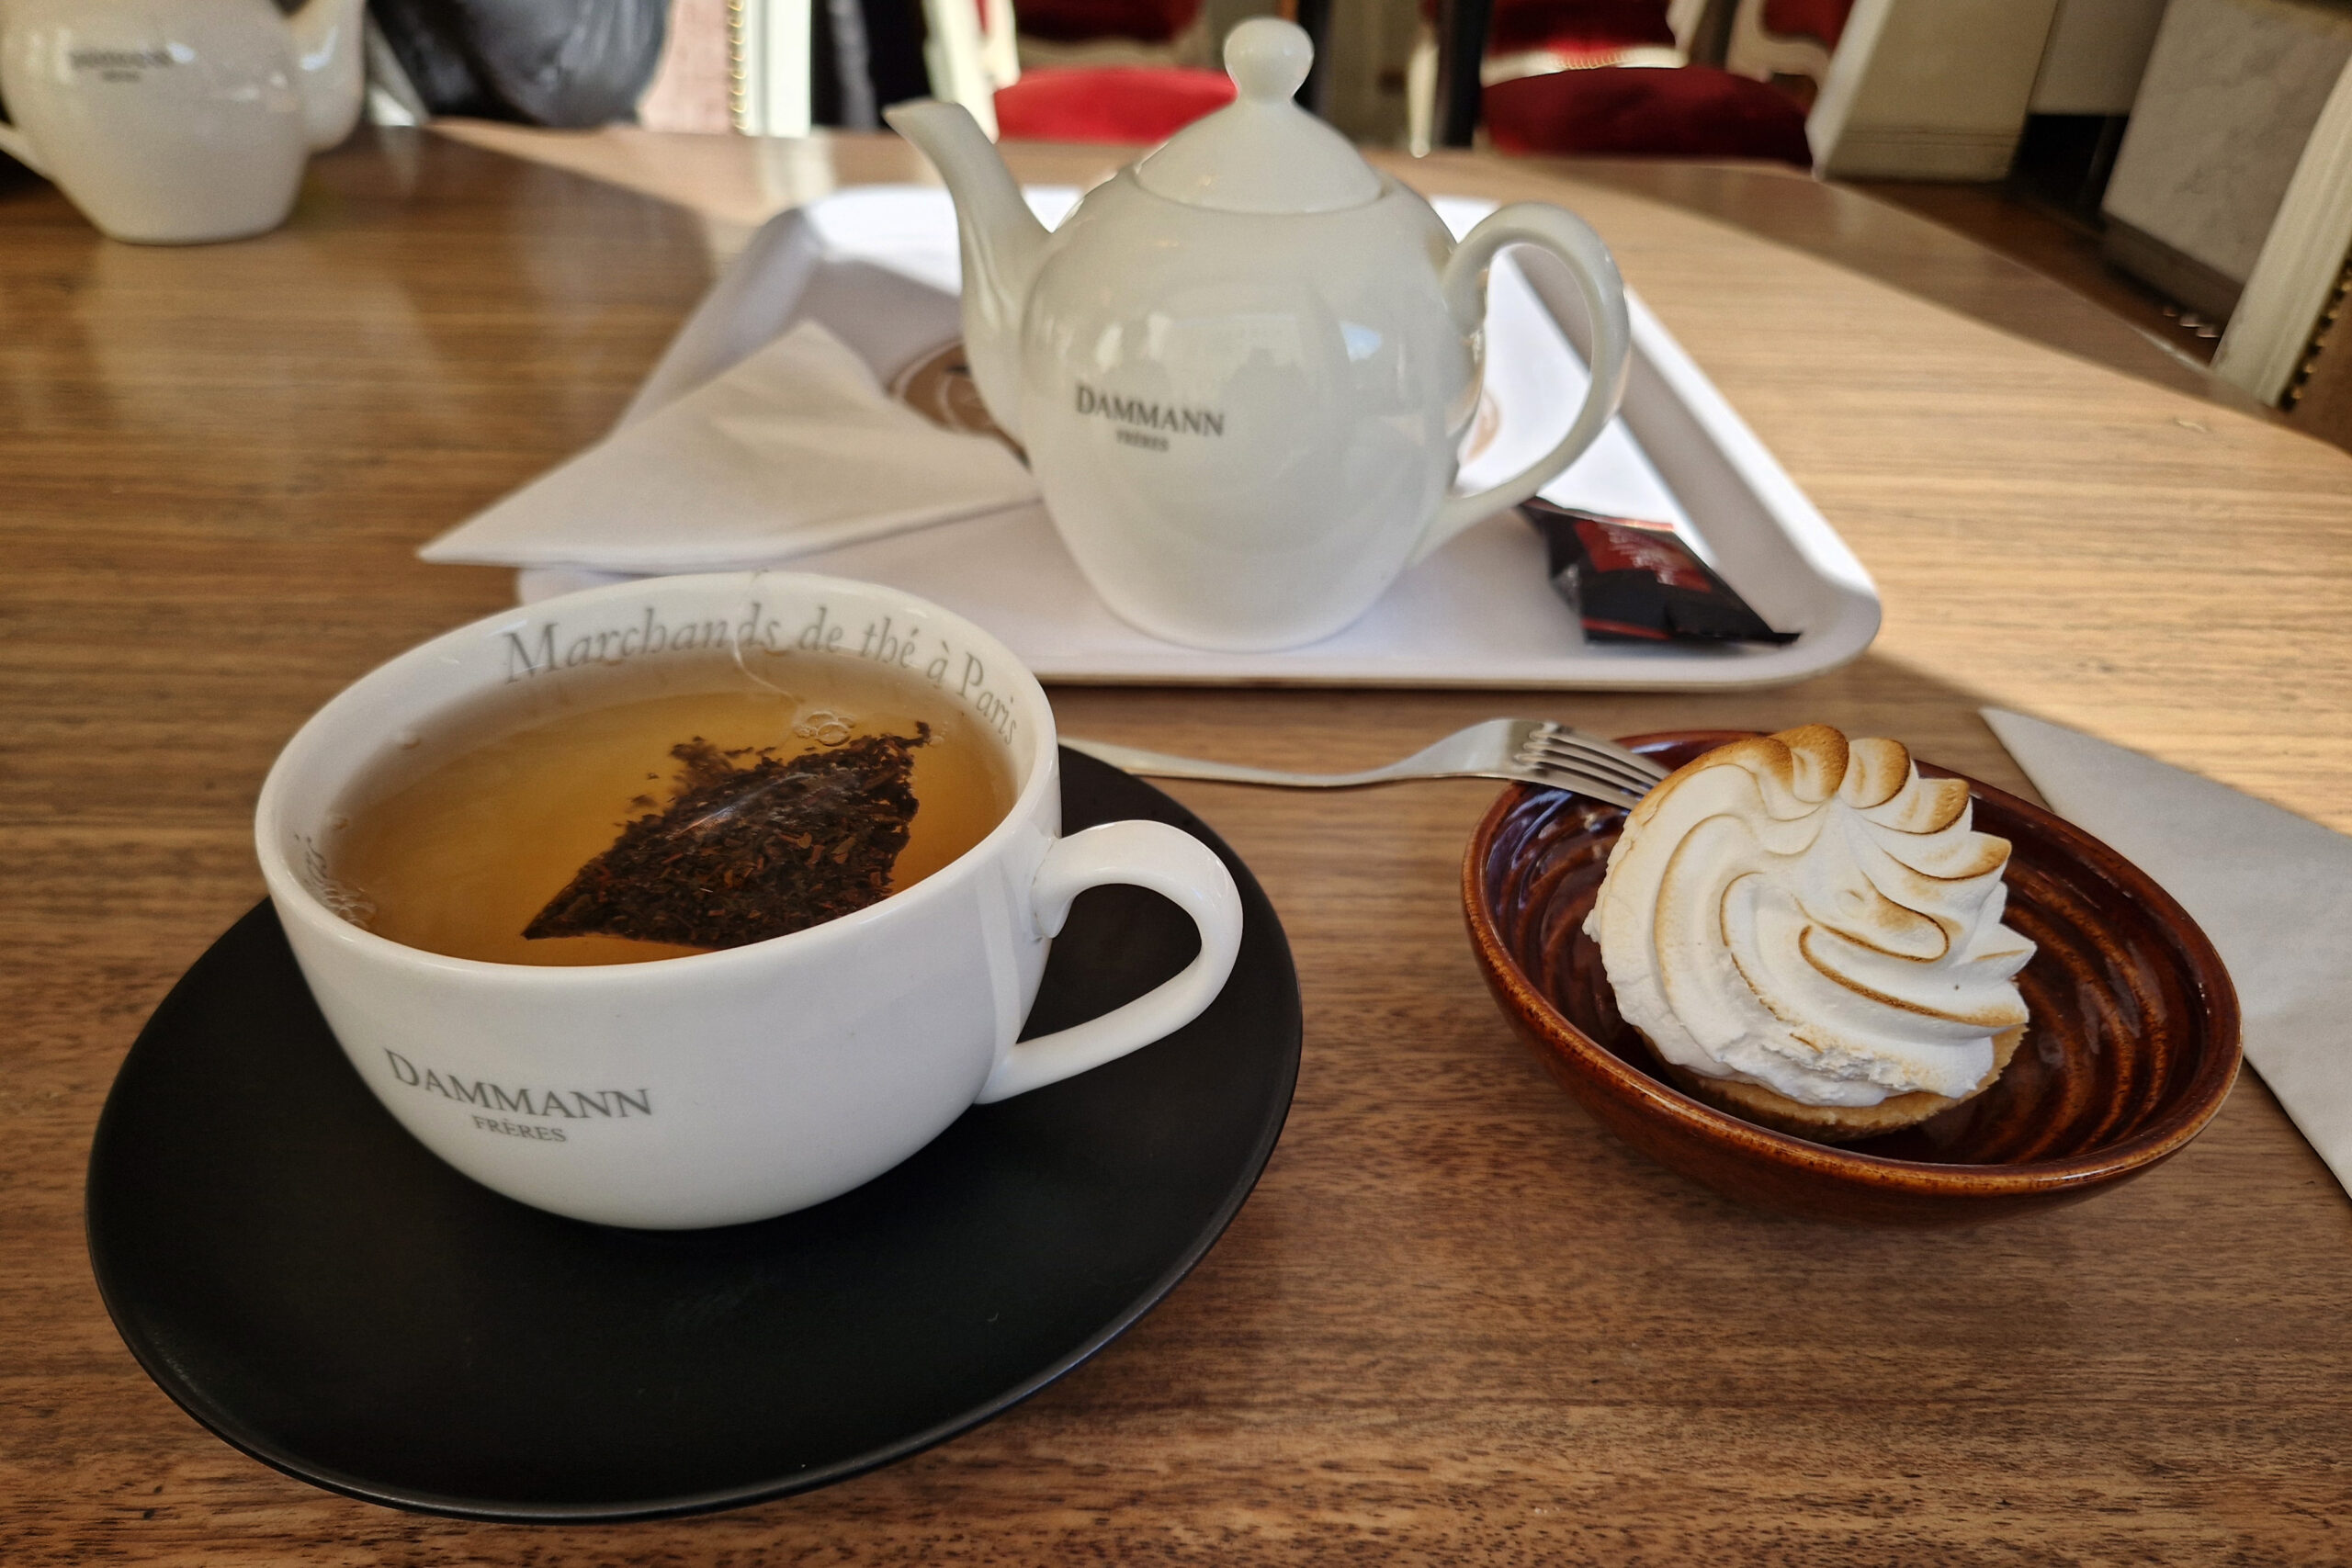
1457 1322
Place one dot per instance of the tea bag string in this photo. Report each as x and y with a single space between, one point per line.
823 725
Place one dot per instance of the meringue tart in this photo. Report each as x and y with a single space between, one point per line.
1807 934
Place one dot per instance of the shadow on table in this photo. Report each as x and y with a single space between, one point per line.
1914 254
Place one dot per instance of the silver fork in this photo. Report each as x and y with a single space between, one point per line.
1530 750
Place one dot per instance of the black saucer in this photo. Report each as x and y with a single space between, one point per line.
309 1283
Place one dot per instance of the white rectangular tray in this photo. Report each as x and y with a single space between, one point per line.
878 267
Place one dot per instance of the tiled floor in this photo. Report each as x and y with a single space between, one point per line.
2089 313
2062 246
2056 243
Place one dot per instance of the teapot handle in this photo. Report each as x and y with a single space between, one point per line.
1463 284
13 142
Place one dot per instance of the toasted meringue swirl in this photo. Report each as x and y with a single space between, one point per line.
1809 914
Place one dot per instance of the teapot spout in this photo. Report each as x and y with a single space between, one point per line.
329 58
1002 242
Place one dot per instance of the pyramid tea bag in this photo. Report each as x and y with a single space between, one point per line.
747 850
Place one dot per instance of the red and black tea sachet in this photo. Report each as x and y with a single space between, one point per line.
1635 581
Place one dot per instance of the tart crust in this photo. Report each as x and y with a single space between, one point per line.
1830 1123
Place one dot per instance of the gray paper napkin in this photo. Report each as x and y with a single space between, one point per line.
2273 890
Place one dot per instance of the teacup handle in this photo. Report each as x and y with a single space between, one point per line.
1464 284
13 142
1170 862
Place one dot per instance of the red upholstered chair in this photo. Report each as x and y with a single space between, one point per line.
974 60
1824 21
1108 103
1084 22
1533 38
1585 32
1691 111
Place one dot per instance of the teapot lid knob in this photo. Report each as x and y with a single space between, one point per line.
1261 152
1268 57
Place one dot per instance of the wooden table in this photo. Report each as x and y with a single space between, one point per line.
1456 1321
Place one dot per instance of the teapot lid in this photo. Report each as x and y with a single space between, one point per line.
1261 152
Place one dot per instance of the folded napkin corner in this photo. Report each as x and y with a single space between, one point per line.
2271 890
796 448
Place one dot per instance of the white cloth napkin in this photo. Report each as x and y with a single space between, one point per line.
2273 890
796 448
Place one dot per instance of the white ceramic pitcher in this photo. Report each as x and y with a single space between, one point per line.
177 122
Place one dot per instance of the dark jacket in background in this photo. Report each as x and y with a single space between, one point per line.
562 62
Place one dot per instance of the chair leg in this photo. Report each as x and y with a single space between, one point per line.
1420 93
1755 53
1315 15
956 54
1461 28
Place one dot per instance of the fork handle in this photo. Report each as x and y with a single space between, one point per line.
1160 765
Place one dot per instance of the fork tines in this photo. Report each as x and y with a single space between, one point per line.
1598 760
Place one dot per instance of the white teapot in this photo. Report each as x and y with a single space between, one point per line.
1243 366
177 122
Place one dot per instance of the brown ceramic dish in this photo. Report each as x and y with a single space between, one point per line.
2131 1047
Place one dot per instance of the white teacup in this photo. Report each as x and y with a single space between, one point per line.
739 1084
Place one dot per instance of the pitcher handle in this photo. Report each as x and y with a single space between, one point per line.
1170 863
1572 240
13 142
